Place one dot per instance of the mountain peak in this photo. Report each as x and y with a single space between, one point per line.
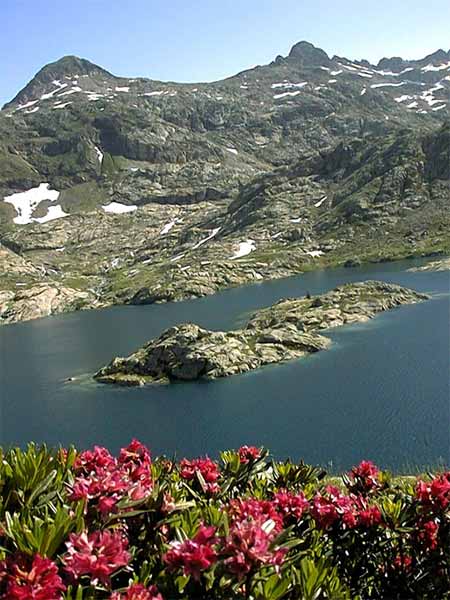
395 64
64 67
439 55
70 65
308 54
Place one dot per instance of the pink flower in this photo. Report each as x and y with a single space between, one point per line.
91 461
248 453
291 506
324 512
252 509
402 563
135 459
103 481
365 476
436 493
370 516
205 467
248 546
36 581
428 534
98 555
193 556
137 591
348 510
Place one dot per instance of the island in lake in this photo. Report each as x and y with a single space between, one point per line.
285 331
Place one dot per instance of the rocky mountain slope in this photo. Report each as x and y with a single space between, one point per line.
118 190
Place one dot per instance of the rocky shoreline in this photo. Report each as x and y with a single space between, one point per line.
436 265
285 331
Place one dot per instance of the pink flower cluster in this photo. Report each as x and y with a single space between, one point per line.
291 506
195 555
249 546
252 509
104 480
254 525
137 591
427 534
350 511
206 468
436 493
365 476
30 579
96 555
248 454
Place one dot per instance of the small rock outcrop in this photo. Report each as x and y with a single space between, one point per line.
282 332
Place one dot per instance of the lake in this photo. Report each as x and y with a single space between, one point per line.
381 392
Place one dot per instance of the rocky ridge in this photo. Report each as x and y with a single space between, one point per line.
284 331
139 191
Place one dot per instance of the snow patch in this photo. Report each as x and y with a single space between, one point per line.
320 202
403 98
427 95
392 74
168 227
72 90
232 150
380 85
436 68
277 96
53 212
99 154
60 86
26 202
124 88
27 105
118 209
288 85
206 239
244 249
314 253
94 96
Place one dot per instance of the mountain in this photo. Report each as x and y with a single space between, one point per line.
134 190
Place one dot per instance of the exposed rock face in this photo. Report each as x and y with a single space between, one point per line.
350 303
318 160
188 352
282 332
308 54
39 301
435 265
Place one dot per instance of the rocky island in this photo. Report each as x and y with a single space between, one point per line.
284 331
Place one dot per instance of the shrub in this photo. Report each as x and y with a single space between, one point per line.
89 525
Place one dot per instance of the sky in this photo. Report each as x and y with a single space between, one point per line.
205 40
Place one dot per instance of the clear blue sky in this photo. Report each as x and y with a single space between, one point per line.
203 40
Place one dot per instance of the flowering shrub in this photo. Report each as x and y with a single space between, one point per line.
89 525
